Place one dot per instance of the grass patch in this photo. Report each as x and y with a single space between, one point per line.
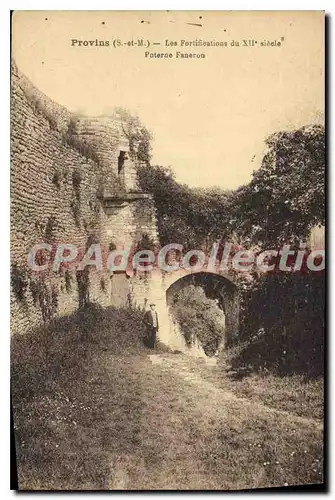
91 411
293 394
59 409
257 451
298 394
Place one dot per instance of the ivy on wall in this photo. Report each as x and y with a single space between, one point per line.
83 285
45 297
68 281
19 282
71 138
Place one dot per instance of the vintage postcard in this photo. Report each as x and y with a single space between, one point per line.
167 249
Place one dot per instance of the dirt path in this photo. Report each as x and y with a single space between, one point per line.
189 434
182 367
137 421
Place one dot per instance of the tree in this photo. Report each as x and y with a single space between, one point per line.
194 218
283 320
285 198
199 317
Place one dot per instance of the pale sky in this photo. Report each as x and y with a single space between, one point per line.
209 116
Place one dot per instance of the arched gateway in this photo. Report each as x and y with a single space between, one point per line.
161 288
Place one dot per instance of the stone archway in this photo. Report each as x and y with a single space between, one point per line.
217 287
159 287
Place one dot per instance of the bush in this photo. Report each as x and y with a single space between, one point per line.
64 346
191 217
283 325
199 317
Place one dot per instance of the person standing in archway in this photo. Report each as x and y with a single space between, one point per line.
152 326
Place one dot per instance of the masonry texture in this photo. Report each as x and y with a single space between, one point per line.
72 181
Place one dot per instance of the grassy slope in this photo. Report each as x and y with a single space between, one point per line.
295 394
108 417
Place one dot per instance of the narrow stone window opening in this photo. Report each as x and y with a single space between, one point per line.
120 163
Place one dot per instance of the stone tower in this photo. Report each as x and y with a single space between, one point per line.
107 138
130 211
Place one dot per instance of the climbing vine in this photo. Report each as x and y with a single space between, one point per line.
71 138
57 178
19 281
44 297
76 181
68 281
103 287
83 283
52 226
